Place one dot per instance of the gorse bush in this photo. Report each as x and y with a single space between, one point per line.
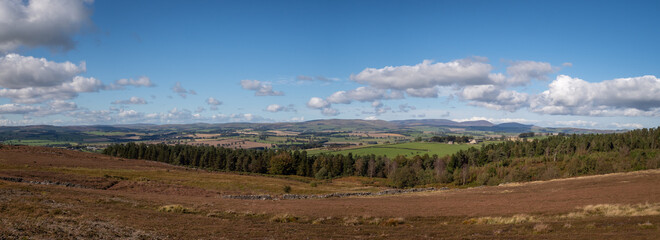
556 156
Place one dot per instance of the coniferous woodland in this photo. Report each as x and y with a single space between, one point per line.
552 157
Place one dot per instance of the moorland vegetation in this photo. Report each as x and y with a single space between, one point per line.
492 164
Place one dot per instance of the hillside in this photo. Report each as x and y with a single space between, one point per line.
101 135
55 193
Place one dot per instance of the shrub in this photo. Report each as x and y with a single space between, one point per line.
175 208
286 189
284 218
393 221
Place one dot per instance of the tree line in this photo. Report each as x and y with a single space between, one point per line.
540 159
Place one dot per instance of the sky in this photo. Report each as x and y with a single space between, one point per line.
585 64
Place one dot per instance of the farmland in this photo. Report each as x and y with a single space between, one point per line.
403 149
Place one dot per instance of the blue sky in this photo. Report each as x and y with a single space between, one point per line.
553 64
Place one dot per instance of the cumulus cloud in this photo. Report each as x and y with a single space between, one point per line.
64 91
280 108
124 114
636 96
522 72
317 103
13 108
431 92
42 23
260 88
491 96
132 100
51 108
427 74
362 94
18 71
178 89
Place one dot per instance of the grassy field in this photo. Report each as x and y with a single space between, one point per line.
38 142
405 149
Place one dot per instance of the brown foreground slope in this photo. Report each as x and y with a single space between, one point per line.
51 193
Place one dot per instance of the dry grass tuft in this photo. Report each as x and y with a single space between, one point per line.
175 208
515 219
542 228
284 218
616 210
352 221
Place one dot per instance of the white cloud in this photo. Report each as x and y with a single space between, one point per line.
140 82
297 119
212 101
178 89
362 94
628 125
636 96
8 122
132 100
13 108
129 114
522 72
317 103
56 107
431 92
371 118
42 23
260 88
577 123
64 91
280 108
427 74
17 72
491 96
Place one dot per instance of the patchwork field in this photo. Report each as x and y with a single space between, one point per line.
405 149
53 193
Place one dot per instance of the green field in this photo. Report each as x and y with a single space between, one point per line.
37 142
405 149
